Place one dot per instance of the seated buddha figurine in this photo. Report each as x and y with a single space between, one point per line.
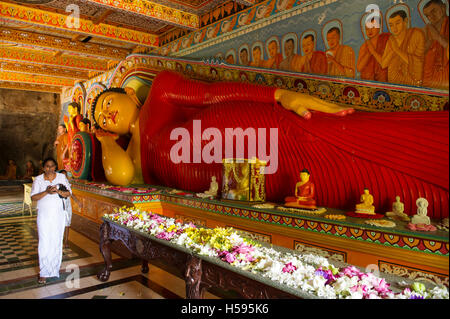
421 216
397 210
304 193
366 205
212 191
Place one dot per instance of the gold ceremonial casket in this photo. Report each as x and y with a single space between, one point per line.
244 180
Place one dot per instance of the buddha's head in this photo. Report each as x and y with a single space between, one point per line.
397 199
273 49
73 109
308 44
366 191
398 22
289 47
304 175
334 37
114 110
213 179
435 11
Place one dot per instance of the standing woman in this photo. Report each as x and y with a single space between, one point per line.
48 191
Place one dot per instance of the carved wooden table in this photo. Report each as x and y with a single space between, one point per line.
200 272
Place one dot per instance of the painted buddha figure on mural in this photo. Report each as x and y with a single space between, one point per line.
257 59
436 63
289 51
405 51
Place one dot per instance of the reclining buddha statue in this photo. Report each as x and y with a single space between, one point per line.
344 150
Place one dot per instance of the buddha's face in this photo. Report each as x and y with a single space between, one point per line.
397 198
213 178
434 12
333 39
273 49
308 45
398 25
366 191
115 112
304 177
289 48
372 32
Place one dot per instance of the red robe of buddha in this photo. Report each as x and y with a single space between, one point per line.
402 153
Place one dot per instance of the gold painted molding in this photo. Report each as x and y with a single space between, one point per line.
8 35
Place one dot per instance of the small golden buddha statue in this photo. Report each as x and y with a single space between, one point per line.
212 191
304 193
366 205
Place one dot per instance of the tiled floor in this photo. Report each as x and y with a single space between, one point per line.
19 269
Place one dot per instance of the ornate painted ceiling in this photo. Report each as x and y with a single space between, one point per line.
46 45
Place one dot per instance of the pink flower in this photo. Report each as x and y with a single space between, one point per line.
289 268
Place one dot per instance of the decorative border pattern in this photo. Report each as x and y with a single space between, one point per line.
56 20
44 70
266 238
36 79
321 251
36 56
363 95
30 87
155 11
58 43
413 273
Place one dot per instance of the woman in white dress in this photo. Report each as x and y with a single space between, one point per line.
46 190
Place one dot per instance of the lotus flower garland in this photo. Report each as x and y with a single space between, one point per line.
308 273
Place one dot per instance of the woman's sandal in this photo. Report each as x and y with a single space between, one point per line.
42 280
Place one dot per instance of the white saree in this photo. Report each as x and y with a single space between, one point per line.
50 224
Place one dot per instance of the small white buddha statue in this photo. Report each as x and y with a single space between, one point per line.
421 216
397 210
212 191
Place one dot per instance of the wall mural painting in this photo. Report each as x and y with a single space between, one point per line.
397 43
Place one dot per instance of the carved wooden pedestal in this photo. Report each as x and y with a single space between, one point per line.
199 274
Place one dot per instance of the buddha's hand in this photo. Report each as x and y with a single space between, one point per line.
302 104
103 135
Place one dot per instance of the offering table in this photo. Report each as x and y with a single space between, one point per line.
399 251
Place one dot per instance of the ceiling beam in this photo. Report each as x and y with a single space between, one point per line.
44 70
9 35
154 11
65 22
30 87
35 79
25 55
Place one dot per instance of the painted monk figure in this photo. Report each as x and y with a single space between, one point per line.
332 147
257 60
275 57
304 193
435 67
370 54
243 55
286 64
341 58
405 52
60 145
312 61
